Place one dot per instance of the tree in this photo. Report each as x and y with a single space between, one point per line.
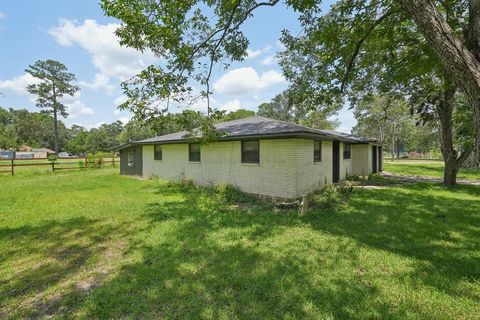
282 107
190 45
7 130
56 82
387 119
238 114
135 130
77 140
373 48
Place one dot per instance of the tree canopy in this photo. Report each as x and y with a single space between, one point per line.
55 82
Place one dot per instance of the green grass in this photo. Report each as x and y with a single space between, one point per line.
95 244
427 168
43 166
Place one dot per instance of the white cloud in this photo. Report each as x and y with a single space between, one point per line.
75 107
99 83
231 105
246 80
91 126
116 112
19 84
256 53
124 120
280 45
2 15
101 43
269 60
119 100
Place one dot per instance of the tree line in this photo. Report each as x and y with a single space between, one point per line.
34 129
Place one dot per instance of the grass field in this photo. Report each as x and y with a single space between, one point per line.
427 168
94 244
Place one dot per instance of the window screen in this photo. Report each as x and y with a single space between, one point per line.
347 151
317 151
194 152
158 152
251 151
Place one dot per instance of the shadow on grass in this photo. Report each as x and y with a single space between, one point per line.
199 257
219 263
435 170
442 233
52 264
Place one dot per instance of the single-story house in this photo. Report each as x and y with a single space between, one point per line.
258 155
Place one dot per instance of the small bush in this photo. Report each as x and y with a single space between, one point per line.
231 194
99 162
332 195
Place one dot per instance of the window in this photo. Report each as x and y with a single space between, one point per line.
347 151
251 151
131 159
317 151
158 152
194 152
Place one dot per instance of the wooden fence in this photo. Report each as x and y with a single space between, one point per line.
71 163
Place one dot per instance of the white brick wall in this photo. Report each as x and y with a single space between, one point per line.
286 166
221 163
311 175
361 159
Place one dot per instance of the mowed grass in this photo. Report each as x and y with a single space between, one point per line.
44 166
427 168
94 244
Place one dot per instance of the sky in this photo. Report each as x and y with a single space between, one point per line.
78 34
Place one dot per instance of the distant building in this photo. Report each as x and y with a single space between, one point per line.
32 153
7 154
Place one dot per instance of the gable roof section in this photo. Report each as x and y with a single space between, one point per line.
261 127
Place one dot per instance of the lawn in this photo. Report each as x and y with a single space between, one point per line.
94 244
426 168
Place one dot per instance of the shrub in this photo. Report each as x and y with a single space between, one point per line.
98 162
231 194
331 196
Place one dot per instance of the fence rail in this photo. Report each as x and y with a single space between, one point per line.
58 164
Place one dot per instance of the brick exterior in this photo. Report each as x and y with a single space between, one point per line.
286 166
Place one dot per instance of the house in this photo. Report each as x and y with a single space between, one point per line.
26 152
259 155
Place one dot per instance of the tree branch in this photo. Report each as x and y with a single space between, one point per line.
351 62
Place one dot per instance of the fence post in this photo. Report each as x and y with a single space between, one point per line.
113 160
86 161
53 166
13 171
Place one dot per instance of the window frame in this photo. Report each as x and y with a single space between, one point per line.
347 154
243 160
190 159
155 152
315 160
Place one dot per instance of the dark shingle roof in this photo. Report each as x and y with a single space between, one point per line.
258 126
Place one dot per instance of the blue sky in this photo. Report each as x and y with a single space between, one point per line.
77 33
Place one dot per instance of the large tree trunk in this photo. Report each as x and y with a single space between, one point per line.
473 44
456 58
450 155
445 111
55 129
